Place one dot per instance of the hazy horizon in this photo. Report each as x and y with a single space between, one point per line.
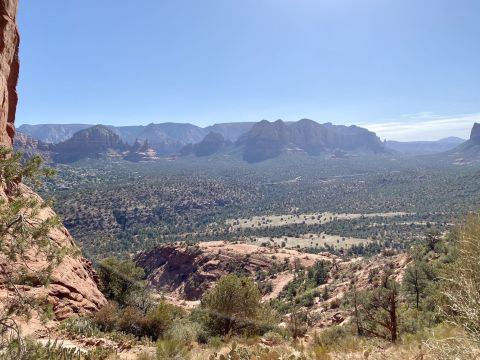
459 127
394 67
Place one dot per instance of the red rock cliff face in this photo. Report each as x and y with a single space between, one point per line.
9 68
74 284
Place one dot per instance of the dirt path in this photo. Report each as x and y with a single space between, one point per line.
279 284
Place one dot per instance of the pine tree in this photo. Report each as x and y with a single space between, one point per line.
23 233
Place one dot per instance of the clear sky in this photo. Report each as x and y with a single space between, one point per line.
408 69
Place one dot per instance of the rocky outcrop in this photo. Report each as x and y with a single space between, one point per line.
74 284
186 272
475 134
469 150
9 69
141 152
30 146
268 140
211 144
96 141
73 287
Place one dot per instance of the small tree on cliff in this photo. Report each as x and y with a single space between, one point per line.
377 310
418 276
234 302
24 232
122 282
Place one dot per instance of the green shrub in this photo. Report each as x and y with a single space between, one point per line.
131 321
79 326
146 356
215 343
52 351
274 338
185 331
331 336
234 306
122 281
337 338
106 318
159 320
171 349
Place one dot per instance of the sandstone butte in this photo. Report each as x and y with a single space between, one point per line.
74 284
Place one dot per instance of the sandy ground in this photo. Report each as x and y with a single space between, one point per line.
312 241
307 219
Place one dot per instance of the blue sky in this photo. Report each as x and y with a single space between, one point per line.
409 69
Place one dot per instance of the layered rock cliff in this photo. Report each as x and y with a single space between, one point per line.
9 68
74 285
268 140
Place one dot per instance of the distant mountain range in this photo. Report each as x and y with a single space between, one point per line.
424 147
165 139
266 140
52 133
94 142
254 142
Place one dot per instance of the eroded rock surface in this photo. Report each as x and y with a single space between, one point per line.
9 68
74 284
186 272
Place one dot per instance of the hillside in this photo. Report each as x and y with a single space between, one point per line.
414 148
467 152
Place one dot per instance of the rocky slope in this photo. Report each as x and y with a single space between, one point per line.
30 146
469 150
74 285
183 273
186 272
414 148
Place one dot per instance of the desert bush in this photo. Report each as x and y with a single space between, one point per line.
274 337
185 331
158 320
106 318
122 281
215 342
234 306
131 321
146 356
32 350
80 326
172 349
462 280
297 324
